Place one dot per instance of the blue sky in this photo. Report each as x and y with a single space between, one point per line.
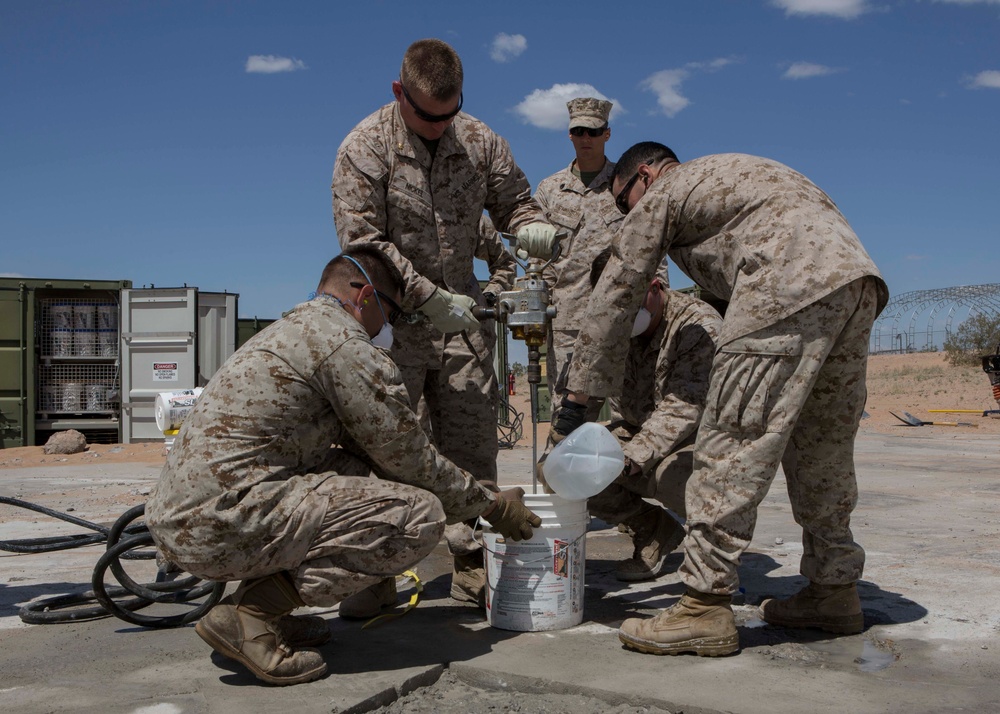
193 142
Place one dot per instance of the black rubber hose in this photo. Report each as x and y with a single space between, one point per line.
53 543
162 592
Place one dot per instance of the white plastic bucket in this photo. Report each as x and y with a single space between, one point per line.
107 343
61 343
107 317
61 316
85 343
537 584
85 317
170 408
95 397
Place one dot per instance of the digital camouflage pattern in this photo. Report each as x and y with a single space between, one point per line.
802 294
268 449
660 406
587 221
425 212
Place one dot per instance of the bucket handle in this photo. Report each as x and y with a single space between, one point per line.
539 559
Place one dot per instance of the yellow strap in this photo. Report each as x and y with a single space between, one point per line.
414 599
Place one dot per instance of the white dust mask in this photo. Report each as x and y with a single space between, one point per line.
642 322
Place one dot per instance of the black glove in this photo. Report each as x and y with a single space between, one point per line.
571 416
510 517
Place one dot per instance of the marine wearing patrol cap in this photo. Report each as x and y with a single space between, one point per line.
588 112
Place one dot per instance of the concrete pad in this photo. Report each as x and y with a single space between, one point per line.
929 517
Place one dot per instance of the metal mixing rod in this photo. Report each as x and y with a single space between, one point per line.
525 308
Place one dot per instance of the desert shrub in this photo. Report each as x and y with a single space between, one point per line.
978 335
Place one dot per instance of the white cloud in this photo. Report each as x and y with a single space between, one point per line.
666 84
12 275
271 64
805 70
990 79
546 108
507 47
844 9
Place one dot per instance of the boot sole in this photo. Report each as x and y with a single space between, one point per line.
204 631
701 646
846 625
635 577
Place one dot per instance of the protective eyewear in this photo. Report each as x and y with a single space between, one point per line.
593 133
621 200
427 116
395 311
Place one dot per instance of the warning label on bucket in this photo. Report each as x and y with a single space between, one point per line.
560 558
164 371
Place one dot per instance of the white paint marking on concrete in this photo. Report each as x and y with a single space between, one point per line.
159 709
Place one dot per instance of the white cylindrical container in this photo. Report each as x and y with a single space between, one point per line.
70 397
61 343
584 463
170 408
85 317
61 316
537 584
85 343
107 343
107 317
51 397
95 397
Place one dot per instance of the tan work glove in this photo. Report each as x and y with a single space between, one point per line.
510 517
449 312
536 240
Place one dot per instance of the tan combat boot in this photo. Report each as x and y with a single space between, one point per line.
468 580
655 535
243 627
370 601
698 623
833 608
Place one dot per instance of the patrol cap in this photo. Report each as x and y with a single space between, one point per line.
588 112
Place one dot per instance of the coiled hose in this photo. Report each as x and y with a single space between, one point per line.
168 588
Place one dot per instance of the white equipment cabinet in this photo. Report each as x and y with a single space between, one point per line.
172 339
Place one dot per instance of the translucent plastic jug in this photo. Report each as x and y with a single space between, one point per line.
584 463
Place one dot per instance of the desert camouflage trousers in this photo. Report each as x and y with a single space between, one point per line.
623 498
457 406
372 529
792 394
558 355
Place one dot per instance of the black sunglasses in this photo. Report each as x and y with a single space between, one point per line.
581 130
395 311
621 200
427 116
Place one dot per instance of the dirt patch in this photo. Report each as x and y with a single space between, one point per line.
451 694
25 456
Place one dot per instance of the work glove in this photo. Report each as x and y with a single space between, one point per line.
449 312
571 416
536 240
510 517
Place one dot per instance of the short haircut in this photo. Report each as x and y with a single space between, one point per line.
645 152
383 272
597 267
433 68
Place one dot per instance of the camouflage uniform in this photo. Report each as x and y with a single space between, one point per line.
252 486
424 212
656 417
587 220
788 381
